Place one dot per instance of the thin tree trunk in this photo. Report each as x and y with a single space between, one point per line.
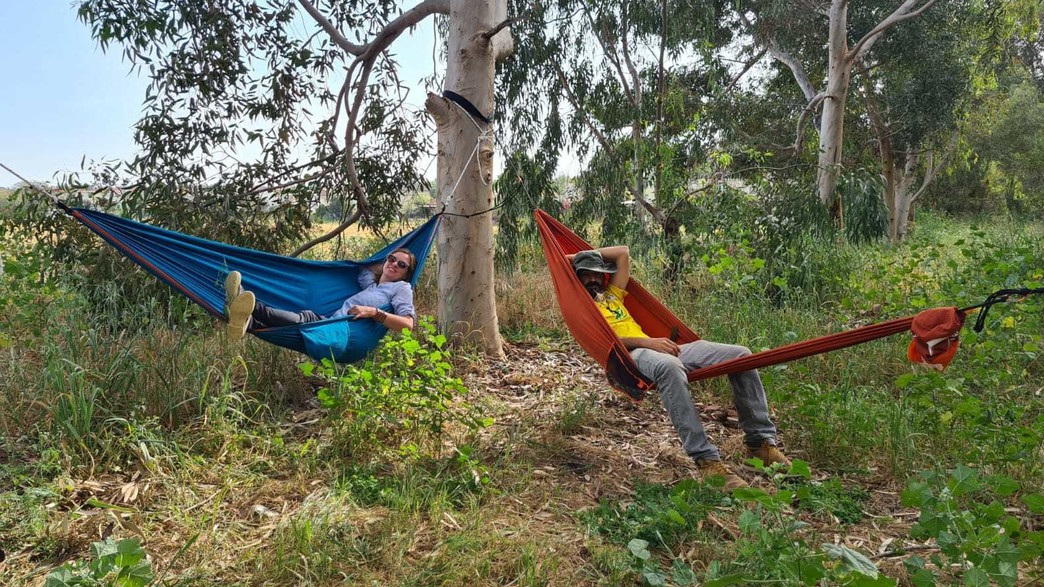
831 136
904 197
467 305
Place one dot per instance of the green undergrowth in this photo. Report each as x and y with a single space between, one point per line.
245 464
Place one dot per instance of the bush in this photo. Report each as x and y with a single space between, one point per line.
403 393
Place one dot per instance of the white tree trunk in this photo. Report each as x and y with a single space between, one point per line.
905 192
467 304
832 129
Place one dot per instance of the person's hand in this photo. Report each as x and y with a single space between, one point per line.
662 345
363 311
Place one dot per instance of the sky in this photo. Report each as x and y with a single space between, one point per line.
64 100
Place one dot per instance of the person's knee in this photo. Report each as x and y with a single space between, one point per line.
668 368
742 351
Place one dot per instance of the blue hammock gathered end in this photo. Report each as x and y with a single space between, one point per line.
197 267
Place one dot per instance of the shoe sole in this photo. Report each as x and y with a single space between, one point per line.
239 312
232 287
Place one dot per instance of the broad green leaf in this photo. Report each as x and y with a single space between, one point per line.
964 480
639 548
682 574
800 468
976 578
852 559
1035 502
654 578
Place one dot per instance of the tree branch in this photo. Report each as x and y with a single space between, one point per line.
488 35
799 136
746 68
261 186
610 54
899 15
335 35
777 53
336 231
604 142
933 171
635 80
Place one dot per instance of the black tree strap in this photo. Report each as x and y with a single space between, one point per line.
998 297
466 105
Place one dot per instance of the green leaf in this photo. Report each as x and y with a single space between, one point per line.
852 559
639 548
61 577
922 578
965 480
800 468
654 578
1003 485
1035 502
976 578
675 517
682 574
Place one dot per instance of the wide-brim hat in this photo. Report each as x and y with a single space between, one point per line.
592 261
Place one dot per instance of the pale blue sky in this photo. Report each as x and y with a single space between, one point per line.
63 99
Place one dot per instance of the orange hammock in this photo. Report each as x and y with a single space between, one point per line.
935 330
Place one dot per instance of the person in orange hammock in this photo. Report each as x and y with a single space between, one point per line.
604 273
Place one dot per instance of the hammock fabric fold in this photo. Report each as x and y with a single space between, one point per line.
592 332
197 268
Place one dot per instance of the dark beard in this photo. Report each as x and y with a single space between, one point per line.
595 289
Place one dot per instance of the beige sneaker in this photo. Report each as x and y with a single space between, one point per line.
239 312
719 469
233 287
769 454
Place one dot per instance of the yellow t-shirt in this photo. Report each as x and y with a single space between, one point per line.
616 314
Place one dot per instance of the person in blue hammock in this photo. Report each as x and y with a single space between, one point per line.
381 285
604 273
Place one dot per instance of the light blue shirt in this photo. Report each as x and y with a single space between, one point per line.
399 294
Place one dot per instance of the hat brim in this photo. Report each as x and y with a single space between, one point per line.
609 269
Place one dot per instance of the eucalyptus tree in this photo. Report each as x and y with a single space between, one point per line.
786 30
914 106
228 126
620 86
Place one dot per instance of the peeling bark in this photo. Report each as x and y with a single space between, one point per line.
467 305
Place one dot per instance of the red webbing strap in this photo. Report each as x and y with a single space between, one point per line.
807 348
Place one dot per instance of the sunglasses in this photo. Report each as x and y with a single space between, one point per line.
397 261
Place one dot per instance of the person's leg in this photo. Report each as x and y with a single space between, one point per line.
264 316
748 394
669 374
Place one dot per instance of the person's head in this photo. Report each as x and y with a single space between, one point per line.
593 272
398 265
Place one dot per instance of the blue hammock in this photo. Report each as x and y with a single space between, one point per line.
197 268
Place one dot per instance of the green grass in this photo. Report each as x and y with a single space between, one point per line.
385 488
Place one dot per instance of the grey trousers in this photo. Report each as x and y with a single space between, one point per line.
265 316
748 394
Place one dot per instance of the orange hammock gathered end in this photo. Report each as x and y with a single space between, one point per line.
935 330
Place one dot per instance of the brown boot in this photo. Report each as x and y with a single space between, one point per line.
769 454
719 469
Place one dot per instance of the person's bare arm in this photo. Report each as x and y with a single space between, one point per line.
660 345
391 321
621 256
